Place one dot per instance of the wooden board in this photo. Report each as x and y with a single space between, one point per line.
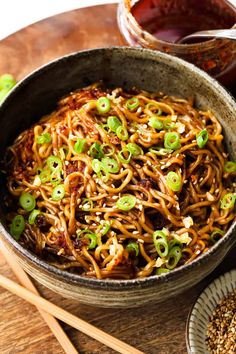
154 329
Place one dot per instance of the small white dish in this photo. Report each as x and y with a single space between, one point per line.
202 310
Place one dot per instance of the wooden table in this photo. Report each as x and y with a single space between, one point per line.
154 329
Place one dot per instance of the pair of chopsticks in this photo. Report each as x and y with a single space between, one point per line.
48 310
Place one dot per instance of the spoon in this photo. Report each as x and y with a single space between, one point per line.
219 33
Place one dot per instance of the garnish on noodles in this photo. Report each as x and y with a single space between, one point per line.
121 185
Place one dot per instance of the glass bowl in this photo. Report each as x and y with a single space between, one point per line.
216 57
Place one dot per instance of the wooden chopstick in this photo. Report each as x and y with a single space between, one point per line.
67 317
49 319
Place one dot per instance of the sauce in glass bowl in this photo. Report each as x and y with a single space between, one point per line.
159 24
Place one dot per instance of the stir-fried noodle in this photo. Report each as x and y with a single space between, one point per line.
117 184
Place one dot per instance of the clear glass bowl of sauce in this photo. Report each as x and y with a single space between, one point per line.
159 24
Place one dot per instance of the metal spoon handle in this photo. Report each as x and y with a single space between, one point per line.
224 33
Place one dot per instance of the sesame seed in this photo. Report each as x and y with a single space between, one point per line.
221 327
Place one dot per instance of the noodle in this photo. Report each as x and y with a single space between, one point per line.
111 193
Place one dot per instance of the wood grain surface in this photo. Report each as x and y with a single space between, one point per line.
153 329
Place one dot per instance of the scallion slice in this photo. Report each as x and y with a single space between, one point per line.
44 138
96 151
103 105
127 202
134 149
122 133
33 215
113 123
27 201
202 138
228 200
173 181
155 123
172 141
86 204
173 257
216 235
58 192
80 145
132 247
230 167
110 165
160 243
122 157
54 163
132 103
45 176
17 226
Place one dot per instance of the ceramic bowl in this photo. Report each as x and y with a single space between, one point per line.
37 95
203 309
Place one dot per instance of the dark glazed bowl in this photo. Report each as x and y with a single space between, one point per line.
149 70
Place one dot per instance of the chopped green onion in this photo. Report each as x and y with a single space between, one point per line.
202 138
122 133
33 215
103 105
58 192
96 165
173 257
96 150
80 146
91 236
174 242
27 201
103 174
113 123
122 157
107 149
54 163
7 82
63 151
160 271
55 178
159 234
17 226
156 106
173 181
160 151
230 166
132 103
228 200
87 204
168 124
133 247
155 123
134 149
100 169
93 240
172 141
45 176
216 235
127 202
104 228
44 138
160 243
110 165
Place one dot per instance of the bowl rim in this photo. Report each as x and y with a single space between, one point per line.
209 284
118 284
